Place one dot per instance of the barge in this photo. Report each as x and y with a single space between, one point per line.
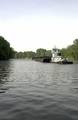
44 59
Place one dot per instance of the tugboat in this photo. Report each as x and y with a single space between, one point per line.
57 58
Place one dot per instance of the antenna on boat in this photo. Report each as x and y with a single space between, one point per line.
55 46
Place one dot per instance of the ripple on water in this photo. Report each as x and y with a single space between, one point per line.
31 90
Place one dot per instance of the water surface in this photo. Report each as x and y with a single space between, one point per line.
32 90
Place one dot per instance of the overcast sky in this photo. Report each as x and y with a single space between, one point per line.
33 24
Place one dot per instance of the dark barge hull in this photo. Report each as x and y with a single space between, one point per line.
43 59
65 62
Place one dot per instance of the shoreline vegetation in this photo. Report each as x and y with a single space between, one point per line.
7 52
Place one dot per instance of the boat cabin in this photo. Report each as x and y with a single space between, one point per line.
56 55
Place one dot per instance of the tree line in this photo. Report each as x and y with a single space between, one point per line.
30 54
7 52
71 51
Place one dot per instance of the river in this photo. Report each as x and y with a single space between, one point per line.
32 90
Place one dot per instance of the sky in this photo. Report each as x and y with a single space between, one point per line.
32 24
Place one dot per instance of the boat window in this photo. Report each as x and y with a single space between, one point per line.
59 54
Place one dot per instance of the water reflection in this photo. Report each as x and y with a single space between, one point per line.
4 74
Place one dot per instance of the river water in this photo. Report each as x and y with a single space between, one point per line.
32 90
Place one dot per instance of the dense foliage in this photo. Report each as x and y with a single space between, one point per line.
12 53
26 54
29 54
43 52
6 51
71 51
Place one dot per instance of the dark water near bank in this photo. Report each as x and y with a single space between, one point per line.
32 90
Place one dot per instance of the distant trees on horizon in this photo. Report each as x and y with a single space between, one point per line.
70 52
7 52
30 54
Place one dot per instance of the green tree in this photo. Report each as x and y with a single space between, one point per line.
25 54
40 52
48 53
12 53
71 51
4 49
